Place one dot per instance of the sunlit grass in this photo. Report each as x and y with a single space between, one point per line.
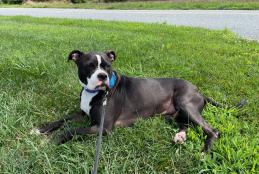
38 85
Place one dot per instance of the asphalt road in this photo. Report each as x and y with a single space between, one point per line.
243 22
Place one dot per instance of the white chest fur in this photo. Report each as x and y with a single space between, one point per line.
86 98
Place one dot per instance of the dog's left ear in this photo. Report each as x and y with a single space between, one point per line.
111 55
75 55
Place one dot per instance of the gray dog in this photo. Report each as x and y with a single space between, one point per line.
132 98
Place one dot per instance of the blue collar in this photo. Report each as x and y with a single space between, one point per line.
112 82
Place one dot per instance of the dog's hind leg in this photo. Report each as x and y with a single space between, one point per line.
182 123
192 113
180 136
190 107
52 126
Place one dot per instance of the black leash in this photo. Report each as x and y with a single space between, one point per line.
99 140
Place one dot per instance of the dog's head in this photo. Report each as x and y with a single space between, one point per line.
94 69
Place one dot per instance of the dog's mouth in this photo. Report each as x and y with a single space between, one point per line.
102 86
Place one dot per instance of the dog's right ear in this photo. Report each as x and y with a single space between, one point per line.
75 55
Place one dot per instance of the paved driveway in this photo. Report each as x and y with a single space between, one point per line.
243 22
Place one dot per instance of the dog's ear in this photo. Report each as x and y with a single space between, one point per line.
75 55
111 55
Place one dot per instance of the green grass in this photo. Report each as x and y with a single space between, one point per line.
38 85
163 5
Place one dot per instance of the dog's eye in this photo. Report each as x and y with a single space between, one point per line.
91 65
102 65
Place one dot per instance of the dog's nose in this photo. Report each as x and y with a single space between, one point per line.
102 77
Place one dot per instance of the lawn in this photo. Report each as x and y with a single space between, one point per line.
38 85
152 5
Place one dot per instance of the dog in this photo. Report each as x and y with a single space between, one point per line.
131 98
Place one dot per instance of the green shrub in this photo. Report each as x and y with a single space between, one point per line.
49 0
78 1
41 0
115 0
12 1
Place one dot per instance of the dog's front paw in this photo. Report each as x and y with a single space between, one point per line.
47 128
180 137
63 138
35 131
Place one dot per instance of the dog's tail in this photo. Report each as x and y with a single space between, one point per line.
242 103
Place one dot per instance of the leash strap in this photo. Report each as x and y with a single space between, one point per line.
99 140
